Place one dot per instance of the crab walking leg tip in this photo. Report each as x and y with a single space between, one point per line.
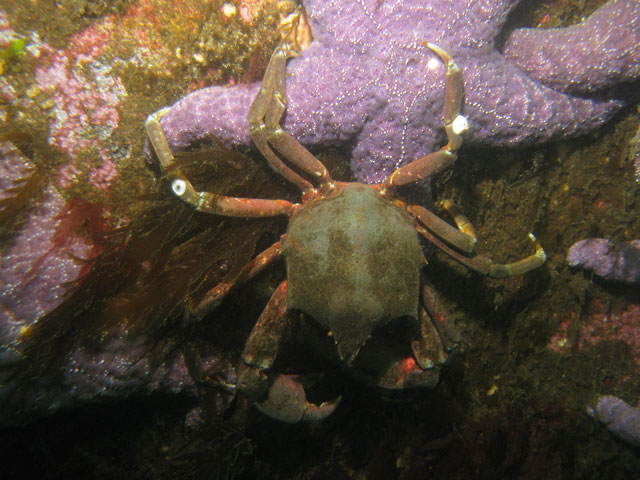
540 253
434 47
155 117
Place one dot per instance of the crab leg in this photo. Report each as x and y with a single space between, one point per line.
263 103
286 144
197 370
428 350
210 202
157 138
463 238
457 238
463 223
262 346
283 396
454 125
484 265
449 335
433 325
394 368
265 114
207 201
214 296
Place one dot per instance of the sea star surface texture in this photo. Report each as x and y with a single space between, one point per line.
611 261
619 417
368 84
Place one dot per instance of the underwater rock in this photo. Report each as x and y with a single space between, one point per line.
619 417
367 84
582 333
611 261
114 369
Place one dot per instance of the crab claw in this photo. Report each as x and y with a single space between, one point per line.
287 402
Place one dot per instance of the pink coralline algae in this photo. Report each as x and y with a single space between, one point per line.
82 99
595 328
248 9
86 97
611 261
619 417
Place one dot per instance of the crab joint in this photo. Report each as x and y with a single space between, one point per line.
179 187
460 124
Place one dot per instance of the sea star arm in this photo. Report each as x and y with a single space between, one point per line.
222 110
506 107
365 84
600 52
311 116
619 417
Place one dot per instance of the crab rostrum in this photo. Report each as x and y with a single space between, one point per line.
354 287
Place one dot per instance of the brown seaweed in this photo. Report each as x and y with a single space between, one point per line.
151 268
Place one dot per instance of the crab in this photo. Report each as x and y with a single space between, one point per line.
356 289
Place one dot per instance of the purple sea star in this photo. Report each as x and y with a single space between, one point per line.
619 417
33 272
366 83
606 259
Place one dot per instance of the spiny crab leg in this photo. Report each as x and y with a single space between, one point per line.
454 125
268 107
485 265
206 201
281 397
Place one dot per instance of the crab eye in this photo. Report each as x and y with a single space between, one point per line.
179 186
